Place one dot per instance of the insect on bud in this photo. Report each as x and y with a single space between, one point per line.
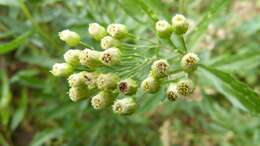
61 69
185 87
172 93
101 100
107 81
97 31
72 57
118 31
125 106
160 68
110 56
78 93
127 86
150 85
163 28
189 62
89 58
69 37
180 24
108 42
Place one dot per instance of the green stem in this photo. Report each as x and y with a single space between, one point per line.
85 45
182 6
183 43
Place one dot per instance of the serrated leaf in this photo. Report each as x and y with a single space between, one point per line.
238 93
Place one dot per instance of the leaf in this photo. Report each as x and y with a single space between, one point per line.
239 94
5 48
20 112
216 7
9 3
43 60
44 136
3 142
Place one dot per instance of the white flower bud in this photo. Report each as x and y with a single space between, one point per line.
101 100
72 57
109 42
180 24
189 62
78 93
89 58
160 68
125 106
70 37
61 69
110 56
150 85
117 30
107 81
97 31
127 86
163 28
185 87
83 79
172 93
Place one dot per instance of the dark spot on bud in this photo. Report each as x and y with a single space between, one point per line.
123 87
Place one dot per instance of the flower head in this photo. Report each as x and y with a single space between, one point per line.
117 30
108 42
110 56
124 106
72 57
97 31
102 100
127 86
163 28
70 37
185 87
172 93
160 68
83 79
61 69
180 24
150 85
107 81
77 93
89 58
189 62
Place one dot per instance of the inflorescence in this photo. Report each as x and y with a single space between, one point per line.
110 89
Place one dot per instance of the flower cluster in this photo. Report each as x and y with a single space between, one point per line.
110 89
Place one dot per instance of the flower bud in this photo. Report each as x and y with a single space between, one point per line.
172 93
185 87
83 79
117 30
163 28
107 81
61 69
108 42
77 93
70 37
125 106
160 68
72 57
97 31
110 56
180 24
102 100
127 86
150 85
89 58
189 62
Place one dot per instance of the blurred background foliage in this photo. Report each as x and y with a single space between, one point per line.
35 109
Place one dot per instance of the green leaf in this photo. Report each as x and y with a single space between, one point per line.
5 48
9 3
239 94
44 136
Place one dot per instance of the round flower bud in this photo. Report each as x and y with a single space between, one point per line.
61 69
180 24
97 31
117 30
125 106
108 42
72 57
127 86
189 62
150 85
75 80
89 58
185 87
70 37
110 56
160 68
83 78
77 93
107 81
163 28
101 100
172 93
